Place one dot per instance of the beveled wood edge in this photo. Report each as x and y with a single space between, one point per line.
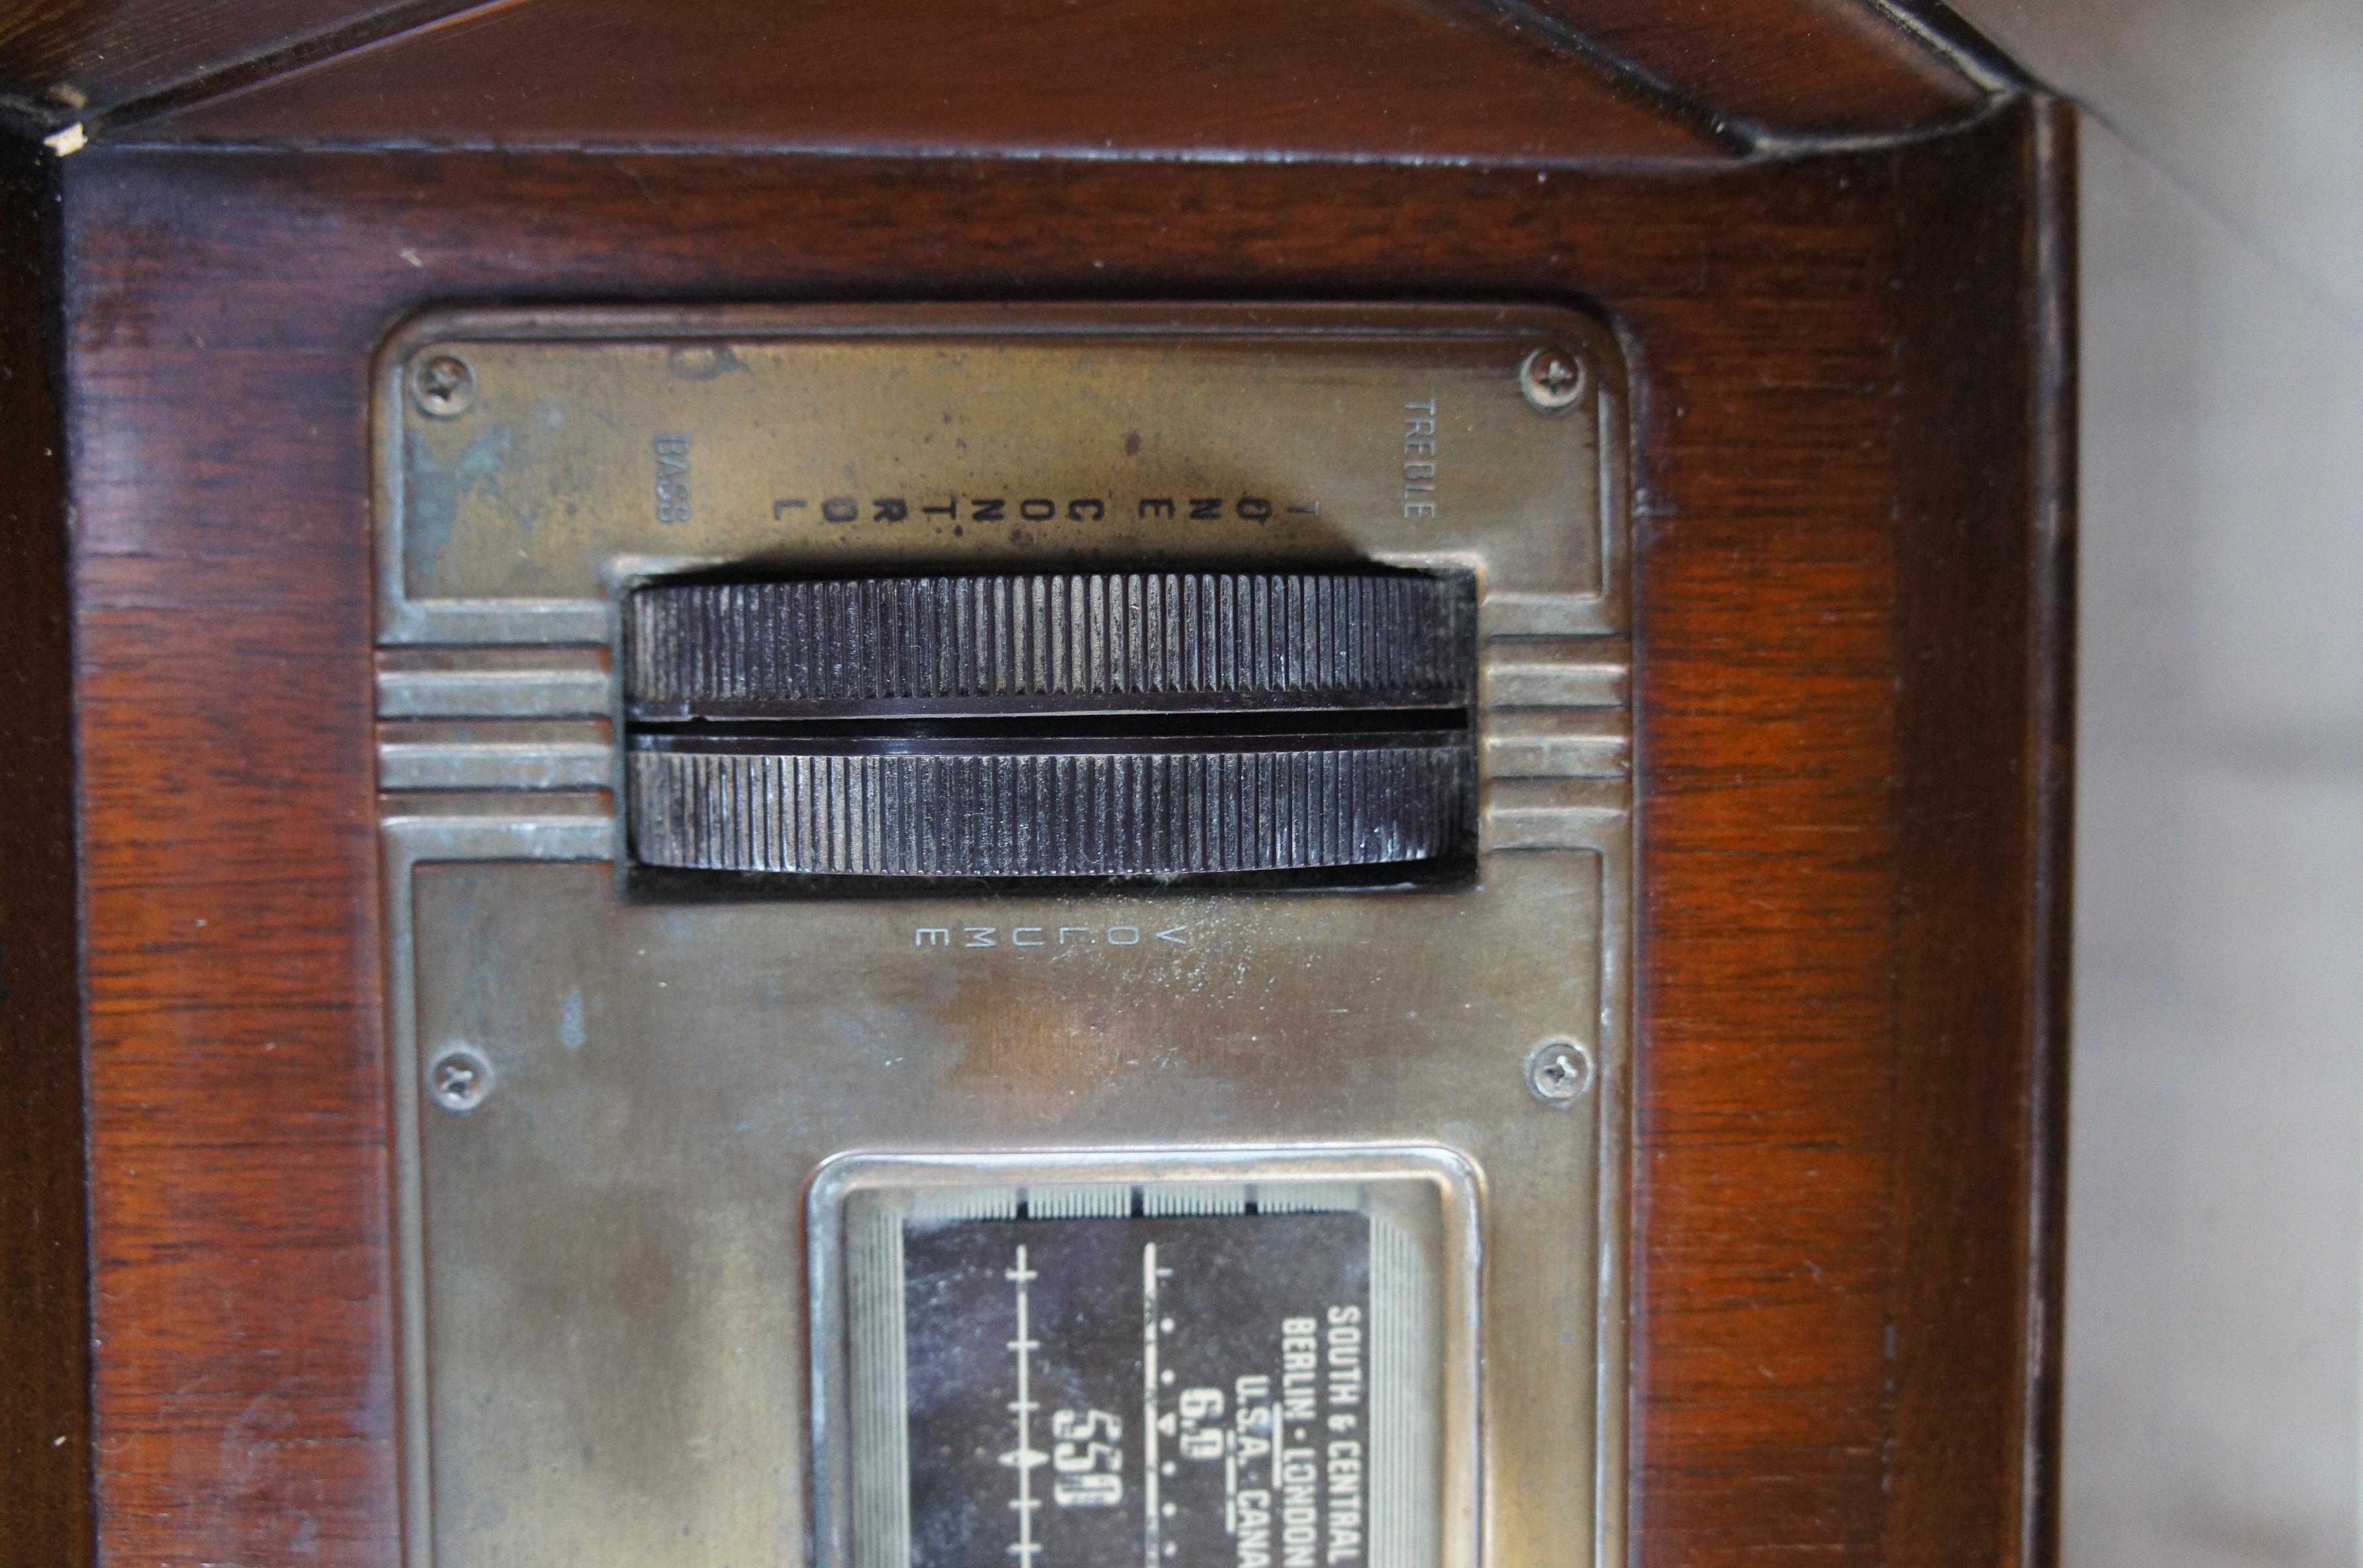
1942 74
1986 658
46 1508
2053 651
28 115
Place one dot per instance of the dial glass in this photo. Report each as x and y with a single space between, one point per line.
1080 1374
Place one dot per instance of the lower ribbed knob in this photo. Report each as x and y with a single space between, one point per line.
965 807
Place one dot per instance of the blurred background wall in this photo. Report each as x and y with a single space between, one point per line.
2216 1210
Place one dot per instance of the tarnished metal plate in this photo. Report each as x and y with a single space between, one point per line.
989 437
615 1287
612 1112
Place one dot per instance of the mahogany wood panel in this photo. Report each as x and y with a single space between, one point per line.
1359 78
62 58
934 73
1789 67
1816 1073
45 1515
1982 776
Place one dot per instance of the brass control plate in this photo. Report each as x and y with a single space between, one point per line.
611 1111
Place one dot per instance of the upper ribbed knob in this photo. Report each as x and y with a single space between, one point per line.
1138 723
1079 641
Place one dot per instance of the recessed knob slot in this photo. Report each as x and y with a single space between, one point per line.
1096 724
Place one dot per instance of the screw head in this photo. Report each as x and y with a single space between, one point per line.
1553 379
444 386
458 1079
1559 1072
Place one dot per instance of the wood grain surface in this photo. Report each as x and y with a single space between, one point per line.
1358 78
45 1515
1982 768
943 72
1848 644
1785 68
66 59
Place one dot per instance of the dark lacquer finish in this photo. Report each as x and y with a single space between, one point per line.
1848 484
1465 74
1791 68
44 1290
1985 620
61 60
1354 78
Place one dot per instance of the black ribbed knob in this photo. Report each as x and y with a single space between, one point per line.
1075 724
1081 641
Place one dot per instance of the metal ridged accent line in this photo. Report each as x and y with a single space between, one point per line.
1098 641
1558 742
1401 1477
1056 815
882 1437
